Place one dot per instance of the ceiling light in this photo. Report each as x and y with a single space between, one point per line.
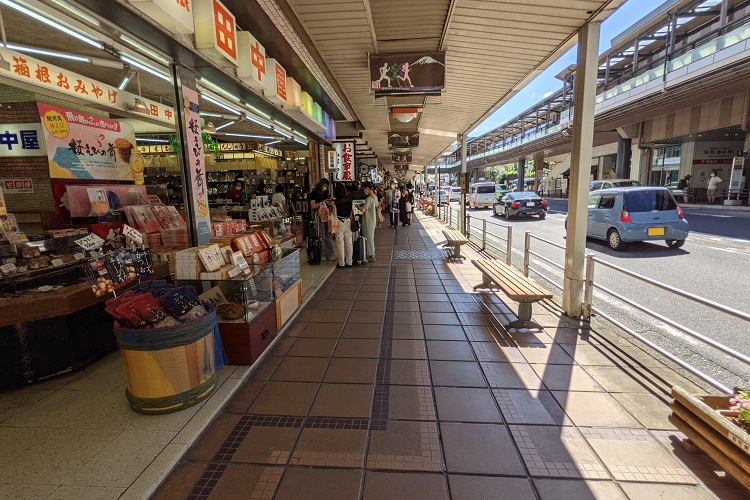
78 12
404 115
261 123
126 80
300 141
212 86
253 136
44 52
211 115
258 112
273 142
145 50
283 126
49 22
209 128
288 136
138 107
145 67
229 124
220 104
148 139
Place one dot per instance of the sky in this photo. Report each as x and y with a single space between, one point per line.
546 83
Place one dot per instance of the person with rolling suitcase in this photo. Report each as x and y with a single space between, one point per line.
314 245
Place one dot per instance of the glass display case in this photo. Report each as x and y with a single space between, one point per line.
286 271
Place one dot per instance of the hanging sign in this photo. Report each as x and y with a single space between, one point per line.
735 179
175 15
21 139
401 168
331 160
17 186
407 73
47 76
215 29
274 82
196 159
85 146
133 234
344 160
251 60
403 140
401 158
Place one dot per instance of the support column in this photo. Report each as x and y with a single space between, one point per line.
622 167
539 169
521 174
584 97
464 187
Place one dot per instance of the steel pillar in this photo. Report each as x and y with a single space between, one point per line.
584 98
624 150
521 174
462 222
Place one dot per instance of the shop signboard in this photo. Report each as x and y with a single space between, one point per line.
155 148
251 60
735 179
403 140
274 82
17 186
21 139
413 72
215 30
85 146
175 15
3 207
331 160
344 160
401 168
197 167
49 77
401 158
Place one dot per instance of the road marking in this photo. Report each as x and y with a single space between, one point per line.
711 215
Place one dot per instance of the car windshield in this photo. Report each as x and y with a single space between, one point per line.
485 189
524 195
649 200
501 187
626 183
456 189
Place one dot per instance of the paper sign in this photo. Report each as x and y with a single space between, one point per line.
133 234
90 242
8 268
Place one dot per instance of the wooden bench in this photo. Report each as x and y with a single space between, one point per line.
454 240
497 275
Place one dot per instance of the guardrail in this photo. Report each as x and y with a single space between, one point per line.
589 308
479 233
527 253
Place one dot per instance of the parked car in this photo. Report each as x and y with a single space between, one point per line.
612 183
624 215
501 190
442 197
521 203
455 194
481 195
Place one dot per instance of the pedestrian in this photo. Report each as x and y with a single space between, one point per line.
279 199
237 193
713 186
684 183
321 204
367 220
403 207
345 213
392 197
410 203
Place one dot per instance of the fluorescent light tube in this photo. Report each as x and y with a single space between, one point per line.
220 104
252 136
49 22
226 125
44 52
147 139
144 67
272 142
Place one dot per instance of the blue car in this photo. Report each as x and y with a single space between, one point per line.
624 215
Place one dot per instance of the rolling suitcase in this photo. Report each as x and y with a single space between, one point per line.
314 246
359 252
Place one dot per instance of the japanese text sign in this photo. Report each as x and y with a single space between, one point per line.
39 73
175 15
215 29
274 82
196 159
344 160
90 242
21 139
252 60
17 186
85 146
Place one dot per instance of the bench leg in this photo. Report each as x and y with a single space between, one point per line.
486 283
524 318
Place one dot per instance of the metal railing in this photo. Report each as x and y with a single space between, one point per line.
479 232
527 253
589 308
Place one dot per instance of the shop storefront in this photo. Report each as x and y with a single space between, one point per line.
119 167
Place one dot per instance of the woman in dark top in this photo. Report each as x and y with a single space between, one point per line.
321 197
344 242
402 208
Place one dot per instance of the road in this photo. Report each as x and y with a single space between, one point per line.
714 263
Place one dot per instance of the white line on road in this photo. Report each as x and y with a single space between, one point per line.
711 215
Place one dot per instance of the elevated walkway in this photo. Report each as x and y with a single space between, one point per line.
397 381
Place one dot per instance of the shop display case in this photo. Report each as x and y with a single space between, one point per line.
288 286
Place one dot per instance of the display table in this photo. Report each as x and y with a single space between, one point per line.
44 334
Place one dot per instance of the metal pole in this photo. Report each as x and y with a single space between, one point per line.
723 15
468 226
462 220
484 234
588 293
526 249
584 98
509 246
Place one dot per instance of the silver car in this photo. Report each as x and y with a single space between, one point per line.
623 215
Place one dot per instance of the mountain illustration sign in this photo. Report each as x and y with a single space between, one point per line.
415 72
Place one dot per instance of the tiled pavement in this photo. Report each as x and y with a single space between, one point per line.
396 381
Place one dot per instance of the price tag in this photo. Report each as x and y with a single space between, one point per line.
133 234
90 242
8 268
57 262
79 256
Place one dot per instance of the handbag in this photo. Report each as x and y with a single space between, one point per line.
408 207
355 222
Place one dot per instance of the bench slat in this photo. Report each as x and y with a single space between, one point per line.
515 285
453 235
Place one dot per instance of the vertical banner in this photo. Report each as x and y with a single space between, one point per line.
197 169
344 161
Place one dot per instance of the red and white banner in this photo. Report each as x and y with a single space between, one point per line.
344 161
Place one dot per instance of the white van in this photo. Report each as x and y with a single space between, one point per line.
482 194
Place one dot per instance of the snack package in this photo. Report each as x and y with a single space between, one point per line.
126 310
99 276
154 313
120 268
184 304
142 262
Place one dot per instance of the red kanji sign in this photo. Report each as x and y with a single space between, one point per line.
225 30
280 81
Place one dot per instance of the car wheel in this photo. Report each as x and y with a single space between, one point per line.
507 213
494 210
613 238
543 215
675 243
